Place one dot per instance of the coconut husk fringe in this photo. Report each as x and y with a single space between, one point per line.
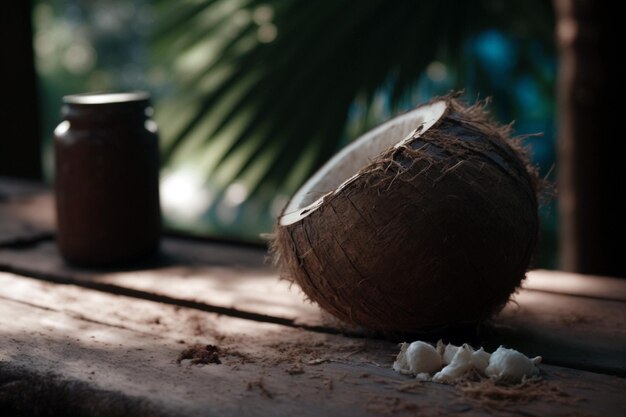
494 395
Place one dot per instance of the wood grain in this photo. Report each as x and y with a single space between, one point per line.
578 332
68 348
209 274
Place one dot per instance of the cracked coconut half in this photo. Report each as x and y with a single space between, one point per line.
427 220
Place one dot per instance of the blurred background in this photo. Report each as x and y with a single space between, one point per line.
252 96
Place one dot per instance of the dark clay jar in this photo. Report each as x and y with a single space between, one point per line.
107 179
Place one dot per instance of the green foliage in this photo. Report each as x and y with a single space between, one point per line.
264 89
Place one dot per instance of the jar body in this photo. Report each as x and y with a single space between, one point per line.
107 182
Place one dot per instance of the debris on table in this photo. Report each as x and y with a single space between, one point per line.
201 354
450 363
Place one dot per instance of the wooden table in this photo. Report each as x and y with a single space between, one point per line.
113 342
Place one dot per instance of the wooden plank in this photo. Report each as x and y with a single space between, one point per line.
11 187
576 284
24 216
26 212
211 274
117 358
237 277
581 332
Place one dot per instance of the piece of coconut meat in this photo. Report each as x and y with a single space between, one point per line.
344 166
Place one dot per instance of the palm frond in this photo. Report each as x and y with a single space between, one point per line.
297 90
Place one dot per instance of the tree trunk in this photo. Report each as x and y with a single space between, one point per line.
591 179
20 144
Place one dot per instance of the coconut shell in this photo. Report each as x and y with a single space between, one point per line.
438 231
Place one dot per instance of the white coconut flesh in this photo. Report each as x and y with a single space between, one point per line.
343 168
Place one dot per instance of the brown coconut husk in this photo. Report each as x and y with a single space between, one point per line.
435 232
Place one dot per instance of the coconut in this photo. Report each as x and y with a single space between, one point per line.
427 220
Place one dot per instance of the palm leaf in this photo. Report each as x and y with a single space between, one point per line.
297 90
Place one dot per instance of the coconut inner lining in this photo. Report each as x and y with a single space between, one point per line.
342 168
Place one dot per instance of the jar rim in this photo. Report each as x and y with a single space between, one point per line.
106 97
